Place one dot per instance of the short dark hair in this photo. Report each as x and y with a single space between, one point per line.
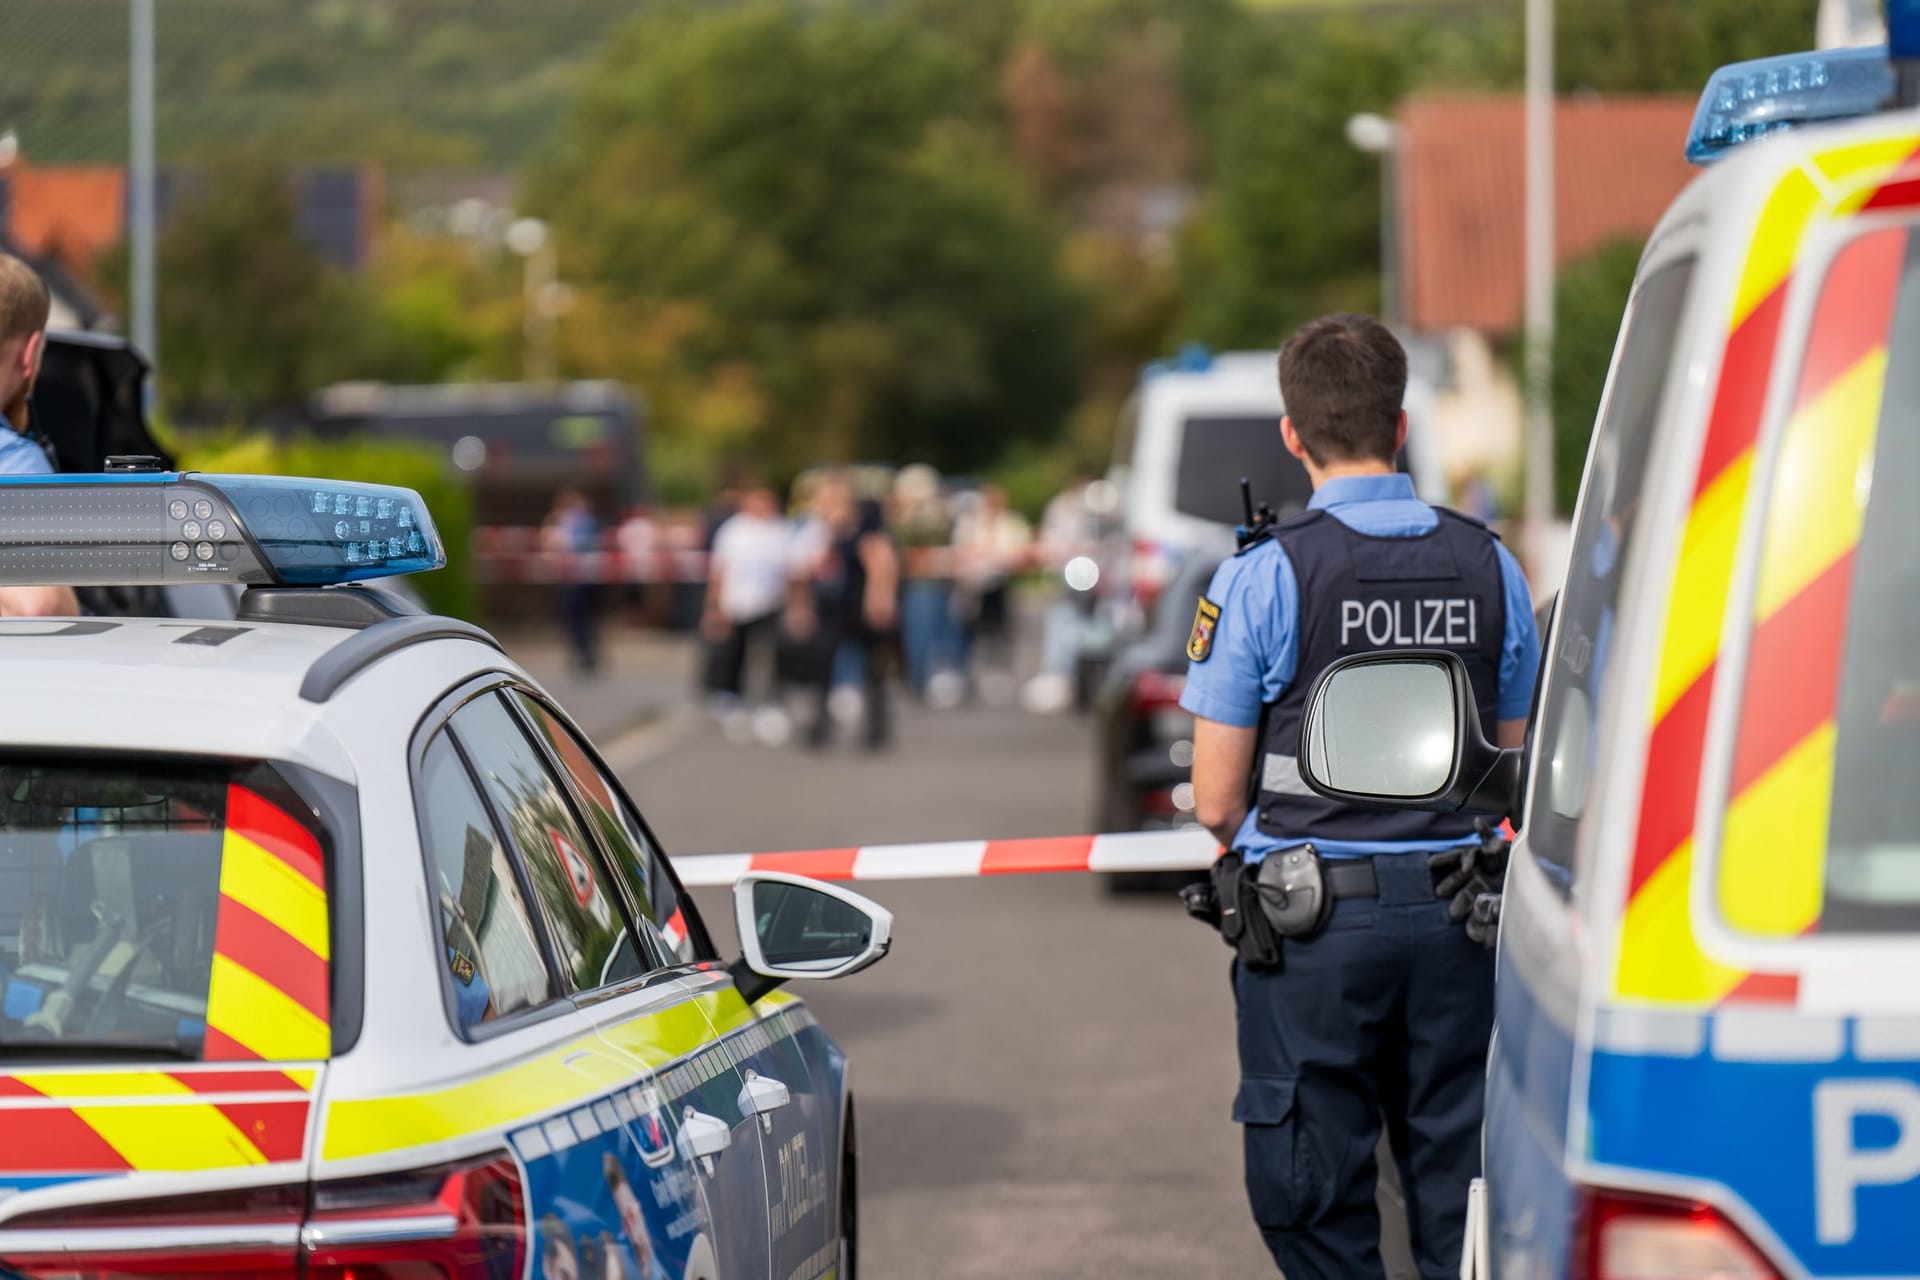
1343 378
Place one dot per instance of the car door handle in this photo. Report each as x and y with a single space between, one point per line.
702 1137
761 1095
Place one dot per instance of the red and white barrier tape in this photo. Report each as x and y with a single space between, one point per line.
1130 851
514 556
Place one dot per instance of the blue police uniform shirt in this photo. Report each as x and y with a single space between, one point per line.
1256 641
20 455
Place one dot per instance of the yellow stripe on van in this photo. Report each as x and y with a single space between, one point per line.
1874 162
1659 959
1820 484
1772 868
1697 604
1776 242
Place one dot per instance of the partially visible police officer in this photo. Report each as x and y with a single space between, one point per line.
1381 1004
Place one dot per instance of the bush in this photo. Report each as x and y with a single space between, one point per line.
452 590
1589 300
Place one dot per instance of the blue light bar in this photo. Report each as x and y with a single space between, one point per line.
153 527
1903 29
1746 101
1192 358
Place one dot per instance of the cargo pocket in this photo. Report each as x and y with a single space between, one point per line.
1264 1109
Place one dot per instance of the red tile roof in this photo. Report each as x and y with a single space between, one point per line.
1461 170
70 213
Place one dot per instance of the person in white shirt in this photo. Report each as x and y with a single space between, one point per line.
747 576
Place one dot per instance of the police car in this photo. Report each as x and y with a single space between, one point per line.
330 948
1708 1054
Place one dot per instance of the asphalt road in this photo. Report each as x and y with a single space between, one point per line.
1043 1071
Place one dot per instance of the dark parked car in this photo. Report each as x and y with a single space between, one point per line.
1144 741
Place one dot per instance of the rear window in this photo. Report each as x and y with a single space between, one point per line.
1822 819
160 907
1216 451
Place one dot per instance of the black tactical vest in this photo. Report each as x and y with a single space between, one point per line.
1439 590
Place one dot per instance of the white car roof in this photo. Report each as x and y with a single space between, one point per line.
170 685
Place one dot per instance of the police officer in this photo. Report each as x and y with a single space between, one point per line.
1383 1005
24 309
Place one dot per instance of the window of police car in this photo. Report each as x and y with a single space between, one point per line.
490 947
637 860
587 925
1821 826
130 885
1583 643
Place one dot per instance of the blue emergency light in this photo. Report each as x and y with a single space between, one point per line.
1747 101
163 528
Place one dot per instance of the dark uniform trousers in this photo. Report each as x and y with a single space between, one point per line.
1388 1009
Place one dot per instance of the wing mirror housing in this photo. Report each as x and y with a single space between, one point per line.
1399 729
793 927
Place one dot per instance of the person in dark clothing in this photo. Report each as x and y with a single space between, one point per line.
848 603
1385 1005
572 529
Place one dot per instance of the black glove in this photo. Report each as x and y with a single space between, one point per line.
1202 902
1471 879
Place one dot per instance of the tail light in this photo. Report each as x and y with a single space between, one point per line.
1157 691
1150 570
459 1222
1636 1237
454 1222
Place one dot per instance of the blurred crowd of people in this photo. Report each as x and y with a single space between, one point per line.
864 579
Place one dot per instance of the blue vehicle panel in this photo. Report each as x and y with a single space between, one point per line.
1529 1075
1825 1154
611 1195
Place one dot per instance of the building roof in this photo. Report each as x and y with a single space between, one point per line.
68 213
1460 178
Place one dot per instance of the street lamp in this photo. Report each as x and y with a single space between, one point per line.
140 182
1379 136
532 241
1539 262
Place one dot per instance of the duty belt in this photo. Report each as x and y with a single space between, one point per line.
1356 877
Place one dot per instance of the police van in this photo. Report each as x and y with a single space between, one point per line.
1707 1061
330 948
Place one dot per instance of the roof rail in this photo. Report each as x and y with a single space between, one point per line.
364 648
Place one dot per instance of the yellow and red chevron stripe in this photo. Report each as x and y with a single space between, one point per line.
149 1121
267 997
1772 857
1659 959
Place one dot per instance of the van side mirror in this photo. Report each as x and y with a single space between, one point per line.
794 927
1400 729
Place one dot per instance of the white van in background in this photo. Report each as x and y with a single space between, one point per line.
1196 425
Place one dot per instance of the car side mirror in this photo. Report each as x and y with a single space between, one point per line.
793 927
1400 729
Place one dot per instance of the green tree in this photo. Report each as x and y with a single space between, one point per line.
868 261
250 318
1589 299
1291 225
1648 46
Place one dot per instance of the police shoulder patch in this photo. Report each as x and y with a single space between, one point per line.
1206 618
